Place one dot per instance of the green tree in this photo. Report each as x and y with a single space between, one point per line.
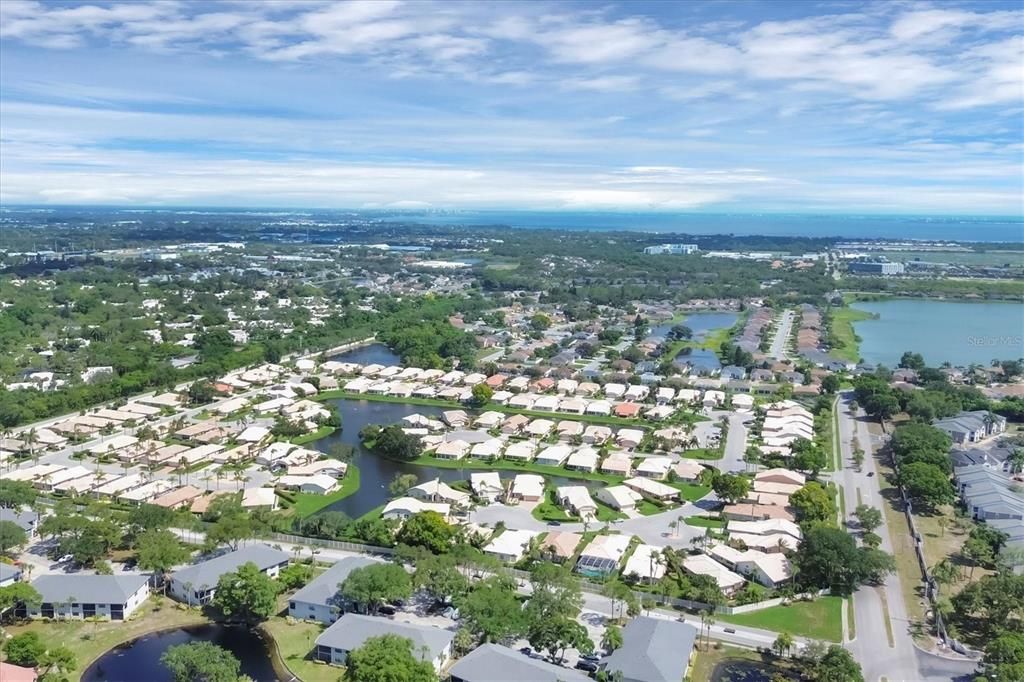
911 360
492 612
11 536
808 456
373 586
783 644
57 661
201 662
555 635
388 658
1004 658
18 593
830 384
540 322
230 529
160 551
482 394
555 593
439 577
926 485
813 503
16 494
837 665
868 517
247 594
612 638
829 557
429 530
731 487
25 649
294 576
401 483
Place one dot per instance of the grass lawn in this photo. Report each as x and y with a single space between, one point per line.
818 619
690 491
702 453
90 640
847 342
648 508
294 642
322 432
307 504
549 510
704 663
704 522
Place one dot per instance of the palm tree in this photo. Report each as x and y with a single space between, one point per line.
782 644
946 572
673 526
1016 461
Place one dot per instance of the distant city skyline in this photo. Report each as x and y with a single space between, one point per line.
841 107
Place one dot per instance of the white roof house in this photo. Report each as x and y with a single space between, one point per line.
584 459
404 507
554 455
654 467
453 449
614 391
714 398
569 429
567 386
665 394
259 498
572 406
603 555
546 403
688 469
596 434
619 497
599 407
702 564
437 490
488 449
771 570
646 563
511 545
489 420
538 428
527 487
576 499
320 484
651 488
486 484
113 444
629 438
617 463
522 451
636 392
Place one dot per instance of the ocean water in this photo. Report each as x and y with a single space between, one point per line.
959 228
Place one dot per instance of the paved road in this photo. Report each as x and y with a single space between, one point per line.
735 443
903 661
778 348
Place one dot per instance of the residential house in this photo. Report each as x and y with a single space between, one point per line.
602 555
437 490
496 663
972 427
770 570
81 595
404 507
353 629
197 584
646 564
576 500
486 485
652 489
526 488
320 600
511 545
653 650
617 463
560 546
701 564
584 459
619 497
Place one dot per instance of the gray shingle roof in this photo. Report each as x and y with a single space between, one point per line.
653 650
24 519
207 573
323 589
88 589
7 571
351 630
496 663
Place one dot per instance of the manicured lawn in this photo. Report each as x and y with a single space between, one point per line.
90 640
550 510
842 332
818 619
322 432
307 504
702 453
691 491
704 522
294 642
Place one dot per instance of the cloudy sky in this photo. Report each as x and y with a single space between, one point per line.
723 105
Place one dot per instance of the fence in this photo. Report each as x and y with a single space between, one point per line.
316 543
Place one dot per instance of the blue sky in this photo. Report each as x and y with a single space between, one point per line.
752 106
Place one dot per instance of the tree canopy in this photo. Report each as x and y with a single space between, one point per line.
247 594
388 658
201 662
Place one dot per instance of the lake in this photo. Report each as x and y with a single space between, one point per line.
960 333
140 659
373 354
700 323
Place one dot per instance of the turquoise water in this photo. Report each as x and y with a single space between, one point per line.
942 331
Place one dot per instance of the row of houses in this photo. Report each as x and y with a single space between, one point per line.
995 498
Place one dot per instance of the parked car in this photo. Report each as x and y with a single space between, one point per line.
586 666
387 610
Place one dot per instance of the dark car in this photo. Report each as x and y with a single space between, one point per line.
871 473
554 523
386 610
526 651
590 657
586 666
